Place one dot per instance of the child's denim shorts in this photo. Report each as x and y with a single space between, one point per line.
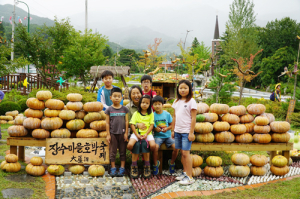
182 141
167 141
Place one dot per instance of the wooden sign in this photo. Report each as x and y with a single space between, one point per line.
290 110
77 151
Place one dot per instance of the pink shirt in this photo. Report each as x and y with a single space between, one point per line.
183 115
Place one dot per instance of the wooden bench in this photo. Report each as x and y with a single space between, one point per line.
272 147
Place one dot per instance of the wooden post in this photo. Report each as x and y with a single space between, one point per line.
13 150
7 82
290 110
38 81
287 155
160 158
21 154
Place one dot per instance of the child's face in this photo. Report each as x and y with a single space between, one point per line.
116 97
145 104
107 80
183 89
146 84
157 106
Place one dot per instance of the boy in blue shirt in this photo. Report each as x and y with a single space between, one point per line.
162 134
104 92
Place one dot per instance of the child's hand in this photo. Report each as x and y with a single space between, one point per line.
191 137
108 138
141 126
139 137
164 130
173 135
144 136
126 137
157 129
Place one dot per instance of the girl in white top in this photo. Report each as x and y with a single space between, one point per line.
183 128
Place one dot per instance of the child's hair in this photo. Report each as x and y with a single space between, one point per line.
149 110
107 73
133 87
146 77
158 98
115 90
190 95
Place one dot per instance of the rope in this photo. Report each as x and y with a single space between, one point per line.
97 70
116 70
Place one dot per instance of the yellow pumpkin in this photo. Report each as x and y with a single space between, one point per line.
32 123
196 171
258 171
238 129
262 129
67 115
239 171
221 126
36 161
40 133
51 123
224 137
43 95
90 117
17 131
96 170
103 134
197 160
240 159
210 117
256 109
261 121
219 108
33 113
244 138
281 137
76 169
87 133
74 106
202 108
93 106
258 160
54 104
103 115
56 170
214 172
246 118
98 125
270 116
76 124
231 118
204 138
249 127
203 127
19 120
214 161
35 170
280 127
11 158
11 167
35 104
51 113
74 97
80 114
279 161
262 138
126 101
61 133
238 110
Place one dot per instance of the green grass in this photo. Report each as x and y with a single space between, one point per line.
5 126
286 189
4 134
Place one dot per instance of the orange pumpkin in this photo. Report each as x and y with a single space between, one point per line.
10 167
262 138
246 118
258 160
40 133
35 104
262 129
238 129
36 161
74 97
67 115
204 138
261 121
98 125
281 137
210 117
244 138
202 108
270 116
239 171
76 124
32 123
249 127
103 115
196 160
11 158
51 113
279 161
103 134
90 117
61 133
221 126
17 131
280 127
214 161
231 118
93 106
224 137
238 110
219 108
12 113
43 95
51 123
214 172
35 170
240 159
33 113
54 104
258 171
256 109
279 171
203 127
96 170
74 106
87 133
196 171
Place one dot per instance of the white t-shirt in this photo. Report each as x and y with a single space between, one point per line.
183 115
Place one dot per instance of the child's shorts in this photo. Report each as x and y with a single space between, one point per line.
167 141
182 141
149 137
141 146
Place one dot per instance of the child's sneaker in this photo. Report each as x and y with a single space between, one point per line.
147 171
121 172
171 167
181 176
156 168
134 172
187 180
113 172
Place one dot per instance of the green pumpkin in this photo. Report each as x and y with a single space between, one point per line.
200 118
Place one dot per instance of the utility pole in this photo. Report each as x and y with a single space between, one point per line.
13 32
187 32
86 16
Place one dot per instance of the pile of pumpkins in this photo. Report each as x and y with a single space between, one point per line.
46 117
222 124
9 117
213 168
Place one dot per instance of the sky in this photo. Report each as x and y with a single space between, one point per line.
170 17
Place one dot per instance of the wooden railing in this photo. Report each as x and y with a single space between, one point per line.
15 81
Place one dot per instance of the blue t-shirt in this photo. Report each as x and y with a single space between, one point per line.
162 120
107 97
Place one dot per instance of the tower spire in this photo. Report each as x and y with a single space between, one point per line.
216 35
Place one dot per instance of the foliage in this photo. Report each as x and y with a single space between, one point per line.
128 57
188 60
203 53
195 44
13 96
8 106
108 52
295 120
22 104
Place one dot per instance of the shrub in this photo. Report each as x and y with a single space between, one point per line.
8 106
295 120
13 96
22 104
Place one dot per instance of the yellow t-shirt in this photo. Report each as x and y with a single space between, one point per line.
146 119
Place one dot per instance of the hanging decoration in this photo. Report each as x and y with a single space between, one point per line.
25 82
60 81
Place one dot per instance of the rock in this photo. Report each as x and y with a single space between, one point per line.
17 193
20 178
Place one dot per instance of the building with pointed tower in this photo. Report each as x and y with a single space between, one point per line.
215 45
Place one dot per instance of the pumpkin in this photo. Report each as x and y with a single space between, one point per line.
67 115
290 161
270 116
126 101
279 171
76 124
278 161
2 165
224 137
96 170
281 137
35 104
200 118
61 133
219 108
90 117
280 127
231 118
99 125
11 167
202 108
103 134
210 117
51 113
74 106
244 138
238 129
246 118
51 123
36 161
203 128
238 110
54 104
74 97
262 129
80 114
35 170
87 133
262 138
256 109
258 171
240 159
40 133
43 95
261 121
196 171
249 127
12 113
32 123
76 169
93 106
56 170
196 160
11 122
11 158
213 171
65 108
239 171
214 161
204 138
17 131
8 118
33 113
258 160
3 122
19 120
103 115
221 126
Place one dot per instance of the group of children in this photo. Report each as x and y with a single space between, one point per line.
158 127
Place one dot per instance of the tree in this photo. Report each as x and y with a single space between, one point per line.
108 52
243 71
85 51
154 58
203 53
195 44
